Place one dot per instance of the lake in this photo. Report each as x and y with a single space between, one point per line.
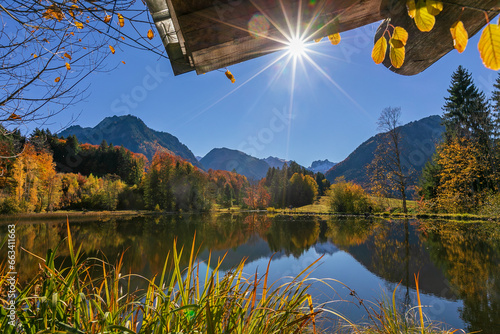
458 263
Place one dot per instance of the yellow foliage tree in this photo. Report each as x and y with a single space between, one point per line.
460 175
34 182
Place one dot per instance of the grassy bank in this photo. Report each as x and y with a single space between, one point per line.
93 296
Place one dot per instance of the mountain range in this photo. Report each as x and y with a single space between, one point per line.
419 139
418 146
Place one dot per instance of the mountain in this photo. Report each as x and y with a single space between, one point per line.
131 132
275 162
321 166
418 146
226 159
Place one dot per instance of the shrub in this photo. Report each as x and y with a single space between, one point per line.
9 206
348 197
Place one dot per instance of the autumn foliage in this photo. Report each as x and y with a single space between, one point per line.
348 197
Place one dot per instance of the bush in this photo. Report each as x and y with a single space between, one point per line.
348 197
491 206
9 206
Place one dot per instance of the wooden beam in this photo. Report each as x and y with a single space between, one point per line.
425 48
218 36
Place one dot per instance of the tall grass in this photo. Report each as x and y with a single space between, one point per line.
72 300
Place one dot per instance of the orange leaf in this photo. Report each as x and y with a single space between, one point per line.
123 62
107 18
13 117
57 79
335 38
112 49
67 56
79 25
68 66
34 55
121 20
151 34
123 38
230 76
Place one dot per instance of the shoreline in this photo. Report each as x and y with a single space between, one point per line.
82 216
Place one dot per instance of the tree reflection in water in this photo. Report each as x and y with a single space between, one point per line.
456 262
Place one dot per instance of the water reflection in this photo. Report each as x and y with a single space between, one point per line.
459 264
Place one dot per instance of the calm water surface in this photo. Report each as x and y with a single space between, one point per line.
459 264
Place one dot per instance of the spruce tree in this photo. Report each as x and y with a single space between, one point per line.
466 110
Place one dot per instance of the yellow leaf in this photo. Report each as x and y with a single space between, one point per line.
489 46
74 6
57 79
230 76
434 7
317 40
397 56
121 20
379 50
34 55
151 34
67 56
400 35
335 38
107 18
460 36
68 66
412 9
423 19
112 49
79 25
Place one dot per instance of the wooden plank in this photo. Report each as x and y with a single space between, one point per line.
425 48
217 39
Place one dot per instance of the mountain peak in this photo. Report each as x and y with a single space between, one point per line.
321 166
132 133
229 160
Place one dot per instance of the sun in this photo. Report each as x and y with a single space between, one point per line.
296 47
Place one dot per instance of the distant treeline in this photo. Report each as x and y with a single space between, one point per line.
46 173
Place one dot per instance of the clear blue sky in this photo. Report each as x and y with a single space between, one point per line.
206 112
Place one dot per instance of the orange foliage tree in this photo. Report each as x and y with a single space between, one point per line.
257 196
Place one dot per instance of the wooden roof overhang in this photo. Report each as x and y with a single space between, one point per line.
206 35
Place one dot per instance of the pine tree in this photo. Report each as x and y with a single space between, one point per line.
466 111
